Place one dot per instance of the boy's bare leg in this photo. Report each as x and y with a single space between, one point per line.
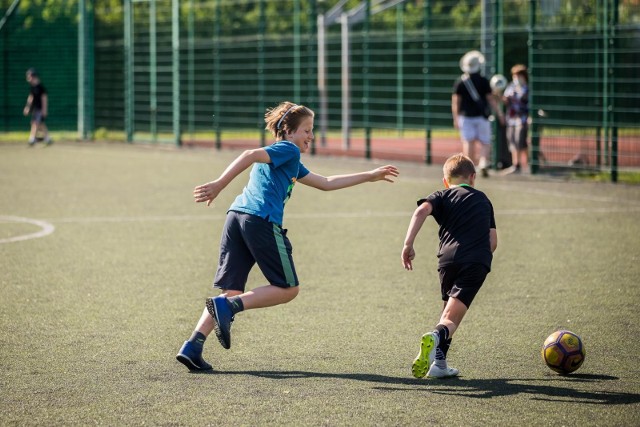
452 314
33 133
431 359
224 308
468 149
45 132
268 296
485 151
206 324
190 354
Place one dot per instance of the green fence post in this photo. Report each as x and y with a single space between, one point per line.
598 71
217 71
498 53
296 51
312 61
261 57
426 76
175 68
612 90
85 69
400 67
191 110
5 81
605 79
153 71
535 137
365 79
128 70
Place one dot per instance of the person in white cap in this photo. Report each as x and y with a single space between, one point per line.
471 105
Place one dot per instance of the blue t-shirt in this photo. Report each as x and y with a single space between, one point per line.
270 184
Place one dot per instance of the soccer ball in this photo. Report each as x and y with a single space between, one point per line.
563 352
498 83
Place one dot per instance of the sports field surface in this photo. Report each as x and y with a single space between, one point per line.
105 262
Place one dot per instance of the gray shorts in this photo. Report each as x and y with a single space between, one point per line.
36 116
475 129
247 240
517 136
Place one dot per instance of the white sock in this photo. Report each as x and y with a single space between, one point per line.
440 361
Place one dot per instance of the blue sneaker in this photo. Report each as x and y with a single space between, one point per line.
219 309
191 357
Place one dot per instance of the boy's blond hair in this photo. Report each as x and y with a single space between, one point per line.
458 166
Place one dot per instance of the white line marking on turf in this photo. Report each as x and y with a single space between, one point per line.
47 228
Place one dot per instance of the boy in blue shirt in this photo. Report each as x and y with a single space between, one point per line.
468 239
253 230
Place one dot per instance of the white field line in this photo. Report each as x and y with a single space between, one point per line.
327 215
46 228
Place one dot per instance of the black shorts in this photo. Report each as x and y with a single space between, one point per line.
462 281
247 240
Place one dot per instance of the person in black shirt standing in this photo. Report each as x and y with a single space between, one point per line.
38 106
471 105
468 239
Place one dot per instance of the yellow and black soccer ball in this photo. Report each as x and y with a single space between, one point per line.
563 352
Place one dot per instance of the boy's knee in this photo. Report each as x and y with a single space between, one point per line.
292 292
231 293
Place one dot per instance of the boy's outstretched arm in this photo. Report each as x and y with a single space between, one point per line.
418 218
336 182
209 191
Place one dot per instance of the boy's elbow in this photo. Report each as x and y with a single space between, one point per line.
325 185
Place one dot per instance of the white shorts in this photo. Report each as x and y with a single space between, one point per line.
474 129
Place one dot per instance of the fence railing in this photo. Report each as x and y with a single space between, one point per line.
204 71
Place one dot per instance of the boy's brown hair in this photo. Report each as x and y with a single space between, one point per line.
520 70
458 166
285 118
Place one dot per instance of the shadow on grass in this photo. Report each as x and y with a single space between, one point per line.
556 388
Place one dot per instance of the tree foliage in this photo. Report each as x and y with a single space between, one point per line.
247 16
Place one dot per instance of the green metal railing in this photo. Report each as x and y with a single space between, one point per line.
204 71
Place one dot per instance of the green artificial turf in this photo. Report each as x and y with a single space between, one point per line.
93 314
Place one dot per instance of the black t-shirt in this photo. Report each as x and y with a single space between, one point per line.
465 216
469 107
37 91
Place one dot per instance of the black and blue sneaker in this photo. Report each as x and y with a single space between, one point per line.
190 355
222 315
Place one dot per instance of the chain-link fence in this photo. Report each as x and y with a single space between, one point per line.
204 71
31 38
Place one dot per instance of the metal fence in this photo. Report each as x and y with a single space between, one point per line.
205 70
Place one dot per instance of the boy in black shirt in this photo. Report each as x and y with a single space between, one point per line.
468 239
38 106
